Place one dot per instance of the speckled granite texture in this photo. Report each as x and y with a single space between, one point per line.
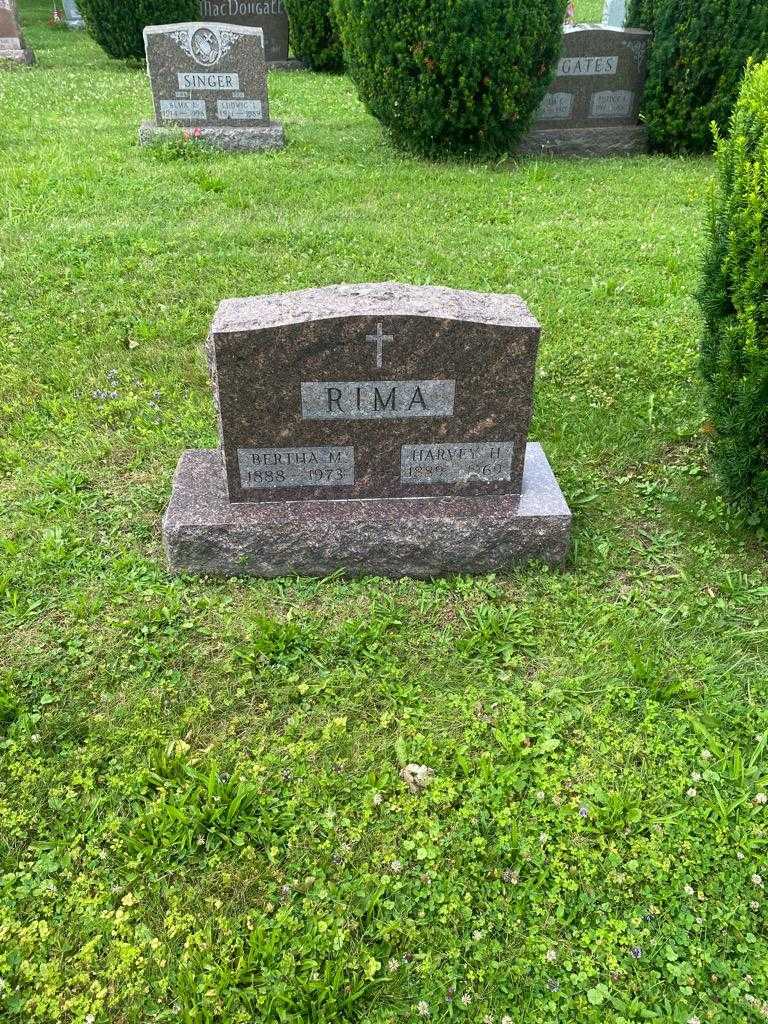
421 537
622 140
237 140
273 359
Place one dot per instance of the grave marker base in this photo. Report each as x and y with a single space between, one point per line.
204 533
621 140
20 56
243 140
286 65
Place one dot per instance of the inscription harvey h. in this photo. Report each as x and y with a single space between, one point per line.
456 463
372 400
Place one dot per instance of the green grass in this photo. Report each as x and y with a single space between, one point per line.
201 812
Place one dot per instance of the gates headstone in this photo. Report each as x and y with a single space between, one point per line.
269 15
376 428
593 104
12 45
211 80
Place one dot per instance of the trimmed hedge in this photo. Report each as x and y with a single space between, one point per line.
734 301
640 13
699 52
314 35
118 25
452 76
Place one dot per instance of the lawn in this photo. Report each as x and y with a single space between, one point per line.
202 815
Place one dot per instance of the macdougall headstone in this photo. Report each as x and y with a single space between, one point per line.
12 45
269 15
615 13
593 104
72 15
211 80
376 428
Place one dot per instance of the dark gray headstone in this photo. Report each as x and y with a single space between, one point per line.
12 45
269 15
593 104
207 74
369 406
599 79
383 391
211 79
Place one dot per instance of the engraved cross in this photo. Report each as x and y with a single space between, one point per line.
379 337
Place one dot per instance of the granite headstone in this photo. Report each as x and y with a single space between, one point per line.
269 15
212 79
12 45
592 106
374 428
72 16
615 13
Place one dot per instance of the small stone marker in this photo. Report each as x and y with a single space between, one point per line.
212 80
268 15
12 46
376 428
593 104
72 16
615 13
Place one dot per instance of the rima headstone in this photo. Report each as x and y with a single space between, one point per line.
593 104
12 45
210 79
373 429
72 16
269 15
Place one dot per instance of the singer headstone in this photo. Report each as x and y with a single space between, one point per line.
209 80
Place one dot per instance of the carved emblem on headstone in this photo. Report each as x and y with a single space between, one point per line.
206 45
637 48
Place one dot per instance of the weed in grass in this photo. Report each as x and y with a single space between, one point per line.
189 815
497 636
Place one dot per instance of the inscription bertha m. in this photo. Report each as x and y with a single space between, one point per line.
324 466
376 400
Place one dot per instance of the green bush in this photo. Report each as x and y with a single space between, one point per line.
314 35
118 25
734 300
461 76
640 13
699 52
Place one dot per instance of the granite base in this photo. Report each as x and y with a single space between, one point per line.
286 65
18 56
422 537
238 140
621 140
